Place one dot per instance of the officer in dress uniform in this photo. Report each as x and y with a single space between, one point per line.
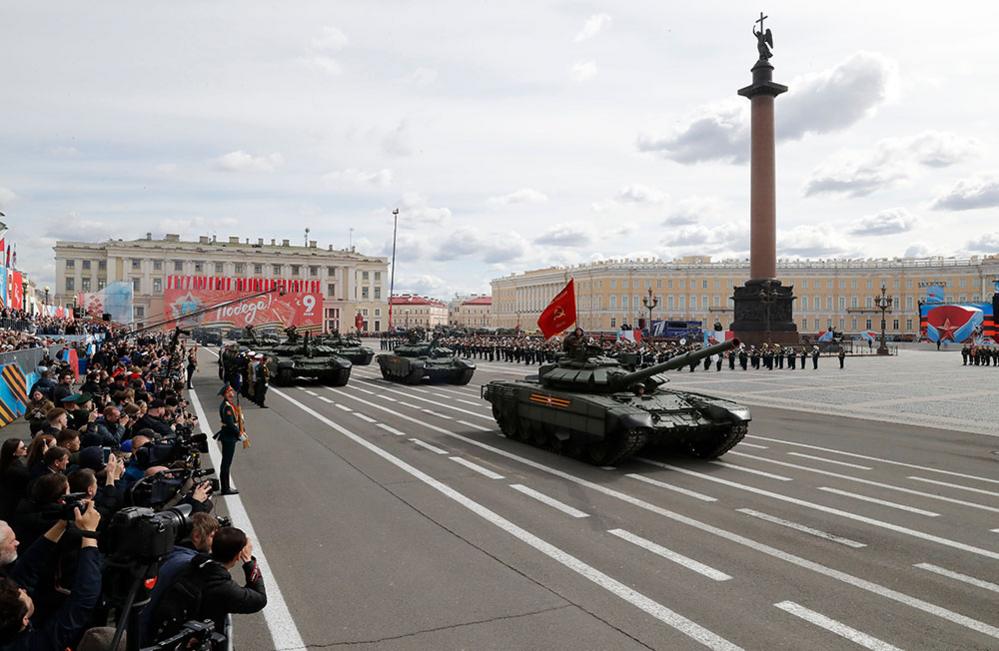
230 434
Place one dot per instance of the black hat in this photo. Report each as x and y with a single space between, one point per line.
156 403
92 457
225 387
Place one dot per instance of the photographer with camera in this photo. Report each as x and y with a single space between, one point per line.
20 629
204 589
153 419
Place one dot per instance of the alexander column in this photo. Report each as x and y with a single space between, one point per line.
763 307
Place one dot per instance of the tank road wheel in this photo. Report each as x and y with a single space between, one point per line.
284 377
725 441
616 447
537 435
385 373
506 424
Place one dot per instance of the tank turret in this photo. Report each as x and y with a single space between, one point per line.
600 374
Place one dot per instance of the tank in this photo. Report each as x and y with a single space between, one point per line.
415 362
291 360
348 348
591 406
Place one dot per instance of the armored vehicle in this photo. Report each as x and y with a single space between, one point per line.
413 362
348 348
589 405
302 358
207 336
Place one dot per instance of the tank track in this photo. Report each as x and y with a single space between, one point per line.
617 448
464 377
712 450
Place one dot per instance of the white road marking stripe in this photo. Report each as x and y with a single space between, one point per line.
325 399
878 459
281 626
391 429
671 555
477 468
751 470
410 405
831 625
384 397
432 448
743 444
469 402
994 530
311 393
344 407
955 486
678 489
800 527
434 413
364 417
370 393
869 482
818 568
474 426
987 585
838 463
637 599
828 509
439 404
874 500
608 467
550 501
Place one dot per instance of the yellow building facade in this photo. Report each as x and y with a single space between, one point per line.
828 293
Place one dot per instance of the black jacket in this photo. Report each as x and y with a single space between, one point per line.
15 488
158 425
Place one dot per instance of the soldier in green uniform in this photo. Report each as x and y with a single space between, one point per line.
230 434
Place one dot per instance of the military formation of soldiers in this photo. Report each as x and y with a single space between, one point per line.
246 372
975 355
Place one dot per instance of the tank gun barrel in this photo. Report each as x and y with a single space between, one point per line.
679 361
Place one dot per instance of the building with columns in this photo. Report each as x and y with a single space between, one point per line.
351 282
828 293
411 311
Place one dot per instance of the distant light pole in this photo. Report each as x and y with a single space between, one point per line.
350 240
650 304
883 303
395 229
46 294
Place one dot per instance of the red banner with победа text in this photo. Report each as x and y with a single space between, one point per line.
302 310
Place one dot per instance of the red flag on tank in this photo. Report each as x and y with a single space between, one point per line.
560 313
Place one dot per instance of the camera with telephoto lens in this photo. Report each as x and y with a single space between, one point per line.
73 501
194 636
183 447
140 534
157 490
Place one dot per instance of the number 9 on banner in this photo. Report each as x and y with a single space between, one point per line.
309 301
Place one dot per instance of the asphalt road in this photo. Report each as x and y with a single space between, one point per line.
397 517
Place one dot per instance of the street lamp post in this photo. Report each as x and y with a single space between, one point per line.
395 228
650 304
46 294
883 303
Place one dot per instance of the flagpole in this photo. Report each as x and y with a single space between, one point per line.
395 229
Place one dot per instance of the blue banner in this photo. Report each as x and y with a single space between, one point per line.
3 285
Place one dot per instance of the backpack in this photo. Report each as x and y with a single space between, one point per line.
181 603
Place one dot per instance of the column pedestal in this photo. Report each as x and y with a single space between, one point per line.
763 313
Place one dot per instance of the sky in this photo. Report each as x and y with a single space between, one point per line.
510 135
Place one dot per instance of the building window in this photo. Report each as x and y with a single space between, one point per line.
296 269
276 269
102 265
613 321
178 265
908 302
895 326
240 268
869 302
364 312
669 284
704 284
704 302
962 283
853 322
219 267
804 303
868 324
378 311
199 267
86 265
624 284
828 302
101 284
908 324
364 276
869 283
364 292
804 283
613 283
331 271
613 300
853 301
314 271
157 285
842 303
378 279
624 301
378 293
70 284
136 264
71 264
136 285
853 284
331 289
157 265
258 269
139 311
85 285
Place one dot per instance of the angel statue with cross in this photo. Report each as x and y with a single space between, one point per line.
764 39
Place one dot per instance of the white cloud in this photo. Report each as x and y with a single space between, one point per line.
812 242
521 196
80 229
240 161
192 226
642 194
695 210
6 197
821 103
350 176
487 247
570 235
409 247
166 168
707 238
331 39
422 285
981 191
64 151
985 243
414 209
397 141
593 26
583 71
886 222
327 64
422 77
919 250
892 160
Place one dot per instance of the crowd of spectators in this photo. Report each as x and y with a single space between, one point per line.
98 444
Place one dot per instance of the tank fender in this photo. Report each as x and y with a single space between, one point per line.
737 414
629 419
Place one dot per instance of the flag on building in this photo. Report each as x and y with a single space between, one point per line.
16 292
560 313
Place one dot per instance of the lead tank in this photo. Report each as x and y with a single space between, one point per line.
417 361
589 405
302 358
